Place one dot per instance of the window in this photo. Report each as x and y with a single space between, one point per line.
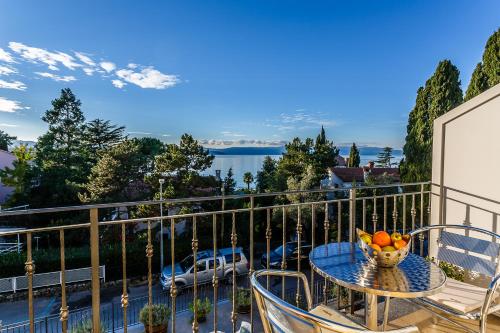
211 263
229 258
201 266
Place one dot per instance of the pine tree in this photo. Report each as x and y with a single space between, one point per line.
441 93
60 157
229 182
99 134
487 73
6 140
323 156
117 176
354 158
385 157
265 180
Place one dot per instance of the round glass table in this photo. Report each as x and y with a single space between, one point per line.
344 264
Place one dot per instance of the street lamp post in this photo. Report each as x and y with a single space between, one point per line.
37 238
161 224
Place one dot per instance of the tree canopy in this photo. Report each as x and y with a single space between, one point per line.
440 94
487 73
354 158
6 140
248 179
117 176
385 157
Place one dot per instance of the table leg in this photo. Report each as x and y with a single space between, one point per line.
371 311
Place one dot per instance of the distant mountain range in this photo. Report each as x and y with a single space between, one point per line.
344 150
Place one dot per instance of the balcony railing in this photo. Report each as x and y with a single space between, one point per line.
268 219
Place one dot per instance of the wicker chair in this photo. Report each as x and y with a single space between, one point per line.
280 316
459 299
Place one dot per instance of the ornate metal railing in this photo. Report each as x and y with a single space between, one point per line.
401 207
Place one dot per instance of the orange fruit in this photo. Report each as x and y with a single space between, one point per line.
376 247
388 249
399 244
406 238
382 238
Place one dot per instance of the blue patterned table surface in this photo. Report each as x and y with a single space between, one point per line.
345 264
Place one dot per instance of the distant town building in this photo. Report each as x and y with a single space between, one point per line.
6 160
341 161
342 177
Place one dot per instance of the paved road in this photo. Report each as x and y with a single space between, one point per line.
111 312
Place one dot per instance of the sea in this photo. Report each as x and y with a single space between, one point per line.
253 164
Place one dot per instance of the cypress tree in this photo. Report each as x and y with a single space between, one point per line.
478 82
441 93
491 59
487 73
354 158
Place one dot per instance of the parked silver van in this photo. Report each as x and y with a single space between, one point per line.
184 270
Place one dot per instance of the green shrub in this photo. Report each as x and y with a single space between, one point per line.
203 308
450 270
160 315
242 297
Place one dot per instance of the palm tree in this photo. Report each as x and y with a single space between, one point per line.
248 179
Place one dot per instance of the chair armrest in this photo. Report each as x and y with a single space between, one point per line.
299 275
490 295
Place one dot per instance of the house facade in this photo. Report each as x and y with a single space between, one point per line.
6 160
342 177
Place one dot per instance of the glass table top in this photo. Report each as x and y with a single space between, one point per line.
345 264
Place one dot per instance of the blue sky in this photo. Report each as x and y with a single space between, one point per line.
235 72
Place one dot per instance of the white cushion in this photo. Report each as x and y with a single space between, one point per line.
460 296
326 312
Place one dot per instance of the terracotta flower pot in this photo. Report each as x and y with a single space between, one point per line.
243 309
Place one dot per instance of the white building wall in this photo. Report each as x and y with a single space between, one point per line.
6 160
465 163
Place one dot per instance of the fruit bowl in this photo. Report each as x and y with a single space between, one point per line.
393 251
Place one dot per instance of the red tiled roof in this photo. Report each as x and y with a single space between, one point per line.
348 175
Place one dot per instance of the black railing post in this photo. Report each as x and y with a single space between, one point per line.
112 317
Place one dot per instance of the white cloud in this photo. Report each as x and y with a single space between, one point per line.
7 125
6 70
16 85
6 56
88 71
242 143
7 105
118 83
39 55
166 135
132 66
57 78
300 120
232 134
85 59
148 78
140 133
108 66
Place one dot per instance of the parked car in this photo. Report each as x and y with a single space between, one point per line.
184 270
291 254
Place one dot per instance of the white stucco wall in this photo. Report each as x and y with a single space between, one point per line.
466 162
6 160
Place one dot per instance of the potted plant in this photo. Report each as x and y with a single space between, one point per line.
203 309
243 300
160 314
86 327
